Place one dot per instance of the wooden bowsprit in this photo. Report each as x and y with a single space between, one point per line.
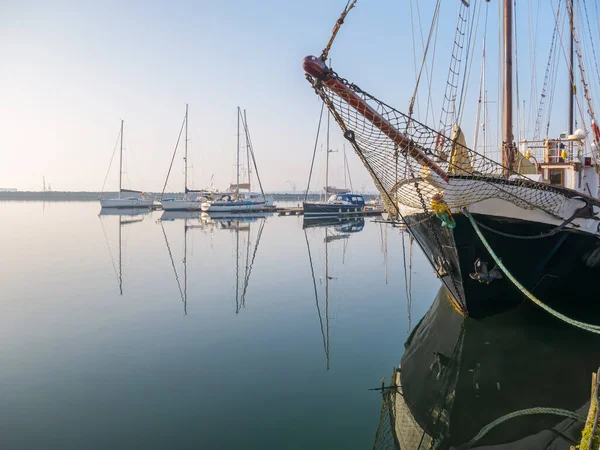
317 69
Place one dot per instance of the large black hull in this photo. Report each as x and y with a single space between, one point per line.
561 270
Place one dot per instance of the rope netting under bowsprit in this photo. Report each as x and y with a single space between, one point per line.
398 429
410 162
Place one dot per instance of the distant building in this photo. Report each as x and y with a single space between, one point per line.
8 189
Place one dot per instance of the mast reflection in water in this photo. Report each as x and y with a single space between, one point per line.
458 375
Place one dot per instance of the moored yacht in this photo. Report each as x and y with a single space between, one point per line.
133 201
337 204
239 196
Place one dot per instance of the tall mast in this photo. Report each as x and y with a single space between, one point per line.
508 151
121 161
327 158
237 187
571 67
185 158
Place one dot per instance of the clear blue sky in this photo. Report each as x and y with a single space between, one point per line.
72 70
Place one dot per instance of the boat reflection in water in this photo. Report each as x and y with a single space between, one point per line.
246 244
458 375
126 216
343 224
335 229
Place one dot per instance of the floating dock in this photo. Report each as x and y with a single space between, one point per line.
298 211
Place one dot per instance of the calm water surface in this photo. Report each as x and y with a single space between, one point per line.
229 350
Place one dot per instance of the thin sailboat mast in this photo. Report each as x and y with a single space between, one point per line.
508 146
121 163
185 158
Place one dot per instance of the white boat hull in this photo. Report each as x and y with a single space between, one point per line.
181 205
126 203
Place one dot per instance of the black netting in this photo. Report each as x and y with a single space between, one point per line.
411 162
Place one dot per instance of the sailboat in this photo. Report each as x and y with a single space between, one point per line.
132 215
235 200
489 229
341 201
127 202
187 203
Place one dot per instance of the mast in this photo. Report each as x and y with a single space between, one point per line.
185 158
121 162
571 67
508 151
237 188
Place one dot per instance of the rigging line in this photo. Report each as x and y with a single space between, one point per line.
591 38
111 161
429 77
312 271
468 62
312 164
414 48
251 148
547 77
424 60
349 5
348 169
562 45
172 159
172 262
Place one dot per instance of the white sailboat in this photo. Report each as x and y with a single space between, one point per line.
125 202
192 199
234 200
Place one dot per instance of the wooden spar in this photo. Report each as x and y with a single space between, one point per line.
318 70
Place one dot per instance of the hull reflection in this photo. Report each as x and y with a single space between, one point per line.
459 374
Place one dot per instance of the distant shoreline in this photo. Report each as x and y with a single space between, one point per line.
58 196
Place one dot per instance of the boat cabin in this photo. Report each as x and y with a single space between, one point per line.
561 162
354 199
